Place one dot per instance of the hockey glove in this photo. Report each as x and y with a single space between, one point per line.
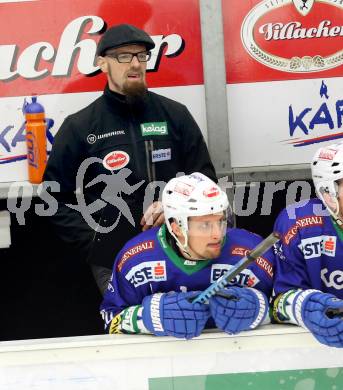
173 314
312 309
236 309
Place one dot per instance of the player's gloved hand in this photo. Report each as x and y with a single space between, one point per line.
313 310
174 314
236 309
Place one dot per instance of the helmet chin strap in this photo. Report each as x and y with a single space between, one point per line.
335 215
184 248
324 192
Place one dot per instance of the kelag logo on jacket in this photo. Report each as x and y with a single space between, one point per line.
154 128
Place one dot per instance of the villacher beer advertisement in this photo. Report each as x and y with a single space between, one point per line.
284 62
53 56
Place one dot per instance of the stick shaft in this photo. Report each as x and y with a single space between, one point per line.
224 280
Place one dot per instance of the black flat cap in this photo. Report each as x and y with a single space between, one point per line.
121 35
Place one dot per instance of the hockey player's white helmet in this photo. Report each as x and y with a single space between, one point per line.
189 196
327 169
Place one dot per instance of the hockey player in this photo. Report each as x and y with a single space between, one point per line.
159 272
309 268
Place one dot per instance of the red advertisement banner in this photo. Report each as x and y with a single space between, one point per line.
48 46
268 40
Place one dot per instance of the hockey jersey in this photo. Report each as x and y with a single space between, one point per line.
310 253
148 264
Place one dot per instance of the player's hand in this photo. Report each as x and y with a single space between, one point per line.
173 314
236 309
316 311
153 216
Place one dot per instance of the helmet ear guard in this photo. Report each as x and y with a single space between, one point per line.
184 233
188 196
327 170
329 196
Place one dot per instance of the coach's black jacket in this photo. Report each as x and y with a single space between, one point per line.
150 141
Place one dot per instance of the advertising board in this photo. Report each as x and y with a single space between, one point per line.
284 64
51 53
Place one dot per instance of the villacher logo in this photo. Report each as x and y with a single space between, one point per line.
313 30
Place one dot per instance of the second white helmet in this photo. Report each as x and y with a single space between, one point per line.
327 169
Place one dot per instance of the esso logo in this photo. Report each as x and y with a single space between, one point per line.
116 160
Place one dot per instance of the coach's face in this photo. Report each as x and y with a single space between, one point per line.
126 78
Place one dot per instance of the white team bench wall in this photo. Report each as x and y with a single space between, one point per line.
283 356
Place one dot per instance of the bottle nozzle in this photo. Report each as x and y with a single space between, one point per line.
34 107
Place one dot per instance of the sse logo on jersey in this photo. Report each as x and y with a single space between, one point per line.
316 246
150 271
244 278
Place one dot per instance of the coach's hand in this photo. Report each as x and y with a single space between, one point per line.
153 216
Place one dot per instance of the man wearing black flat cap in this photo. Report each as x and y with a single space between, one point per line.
123 52
137 138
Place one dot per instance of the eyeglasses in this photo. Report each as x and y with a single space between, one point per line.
207 227
126 58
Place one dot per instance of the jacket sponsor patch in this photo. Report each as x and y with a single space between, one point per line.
154 128
316 246
244 278
92 138
149 271
261 262
299 224
116 160
139 248
161 155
